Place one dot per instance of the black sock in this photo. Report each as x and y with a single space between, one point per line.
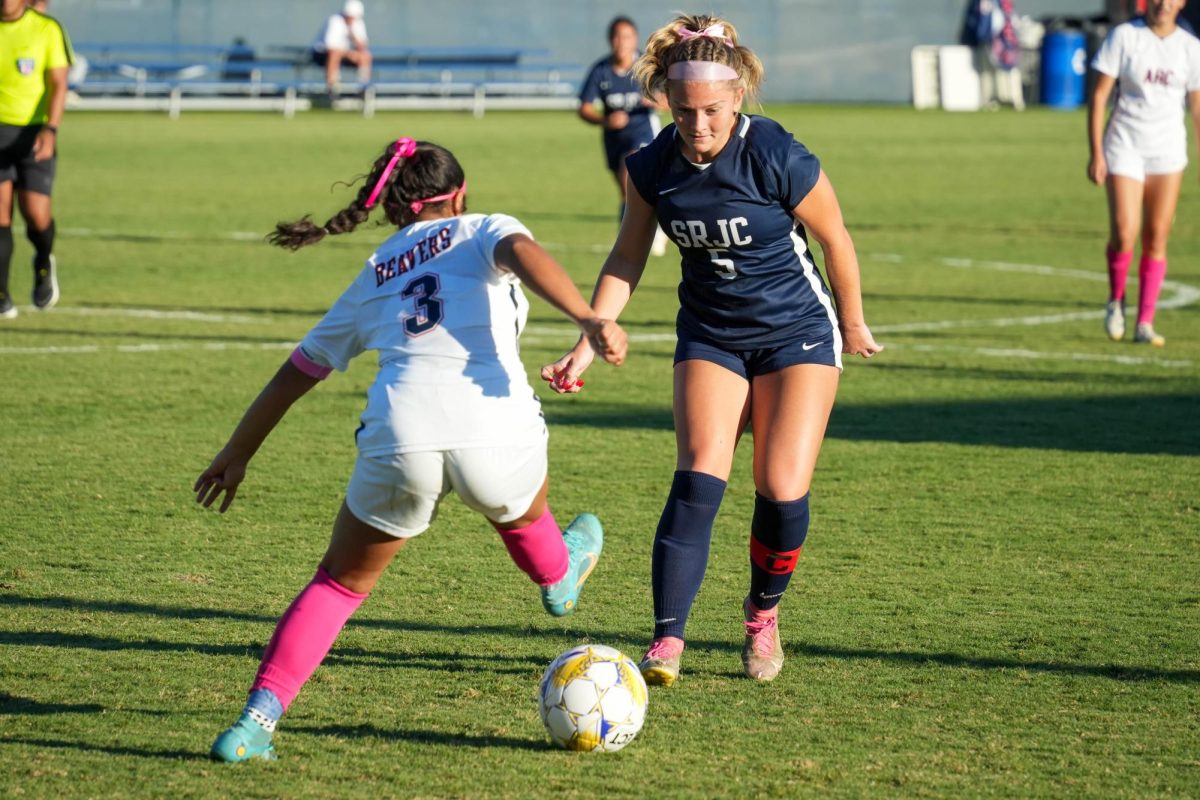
681 548
6 248
776 538
43 244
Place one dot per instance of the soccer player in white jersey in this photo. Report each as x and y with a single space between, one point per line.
450 409
1141 154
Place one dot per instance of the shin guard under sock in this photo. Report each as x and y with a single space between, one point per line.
776 538
43 245
304 635
1118 272
538 549
681 548
1151 272
6 251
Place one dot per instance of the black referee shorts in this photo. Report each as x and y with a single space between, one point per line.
17 163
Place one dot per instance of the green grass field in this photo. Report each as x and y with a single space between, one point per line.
999 597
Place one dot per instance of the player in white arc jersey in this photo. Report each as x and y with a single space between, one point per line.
451 408
1141 154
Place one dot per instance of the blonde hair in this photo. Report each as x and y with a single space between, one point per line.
666 46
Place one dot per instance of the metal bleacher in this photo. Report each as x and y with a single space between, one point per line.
177 78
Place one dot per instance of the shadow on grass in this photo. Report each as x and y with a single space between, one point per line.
512 664
367 731
111 749
25 706
1146 424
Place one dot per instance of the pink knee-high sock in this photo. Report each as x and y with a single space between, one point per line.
538 549
1118 272
304 635
1151 272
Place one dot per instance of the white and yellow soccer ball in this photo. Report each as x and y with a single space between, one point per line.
592 698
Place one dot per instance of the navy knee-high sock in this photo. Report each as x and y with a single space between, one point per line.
681 548
776 538
6 248
43 245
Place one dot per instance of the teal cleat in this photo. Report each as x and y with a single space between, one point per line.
585 539
246 739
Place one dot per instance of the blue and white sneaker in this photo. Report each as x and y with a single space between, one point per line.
250 736
45 284
1114 320
585 539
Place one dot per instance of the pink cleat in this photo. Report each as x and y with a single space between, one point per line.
660 665
762 655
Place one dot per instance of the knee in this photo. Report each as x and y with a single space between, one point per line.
1154 239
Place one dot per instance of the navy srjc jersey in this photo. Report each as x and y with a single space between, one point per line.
618 92
748 279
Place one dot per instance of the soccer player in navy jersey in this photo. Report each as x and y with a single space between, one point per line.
760 339
612 98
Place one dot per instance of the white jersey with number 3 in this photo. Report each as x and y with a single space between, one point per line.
445 321
1154 75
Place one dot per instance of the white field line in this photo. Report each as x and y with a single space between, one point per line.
564 336
1184 295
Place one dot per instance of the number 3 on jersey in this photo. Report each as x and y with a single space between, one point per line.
423 290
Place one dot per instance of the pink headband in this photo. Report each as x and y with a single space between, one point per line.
711 32
700 71
405 148
416 205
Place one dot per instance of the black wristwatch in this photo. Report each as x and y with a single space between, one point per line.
52 128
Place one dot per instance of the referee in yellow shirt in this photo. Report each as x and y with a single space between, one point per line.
34 56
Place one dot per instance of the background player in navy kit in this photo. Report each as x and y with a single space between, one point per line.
759 340
612 99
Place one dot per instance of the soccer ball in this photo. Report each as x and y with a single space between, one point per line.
592 698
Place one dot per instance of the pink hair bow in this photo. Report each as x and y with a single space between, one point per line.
405 148
711 32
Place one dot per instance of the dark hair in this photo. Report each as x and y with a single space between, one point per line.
430 171
618 21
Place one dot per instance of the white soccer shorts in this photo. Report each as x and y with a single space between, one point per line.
399 494
1130 159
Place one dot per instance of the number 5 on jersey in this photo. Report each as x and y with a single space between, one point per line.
423 290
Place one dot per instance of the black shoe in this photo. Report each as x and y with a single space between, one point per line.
45 285
7 309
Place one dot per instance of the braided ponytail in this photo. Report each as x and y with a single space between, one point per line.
430 170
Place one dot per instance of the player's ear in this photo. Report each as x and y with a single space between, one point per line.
739 94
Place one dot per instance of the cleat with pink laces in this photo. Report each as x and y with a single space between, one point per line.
660 665
762 655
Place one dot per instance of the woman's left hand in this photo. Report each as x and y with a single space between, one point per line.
224 474
858 341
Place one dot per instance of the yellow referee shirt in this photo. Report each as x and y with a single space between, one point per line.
28 47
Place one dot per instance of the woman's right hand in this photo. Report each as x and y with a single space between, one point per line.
1097 169
563 375
616 121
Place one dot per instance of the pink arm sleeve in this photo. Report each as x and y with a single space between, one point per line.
309 367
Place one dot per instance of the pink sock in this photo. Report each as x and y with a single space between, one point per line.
1118 272
304 635
1151 272
538 549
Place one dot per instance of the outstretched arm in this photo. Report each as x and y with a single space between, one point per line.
538 270
821 216
229 467
618 278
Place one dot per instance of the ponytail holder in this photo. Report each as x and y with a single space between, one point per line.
404 148
711 32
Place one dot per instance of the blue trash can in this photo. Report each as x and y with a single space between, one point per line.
1064 68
